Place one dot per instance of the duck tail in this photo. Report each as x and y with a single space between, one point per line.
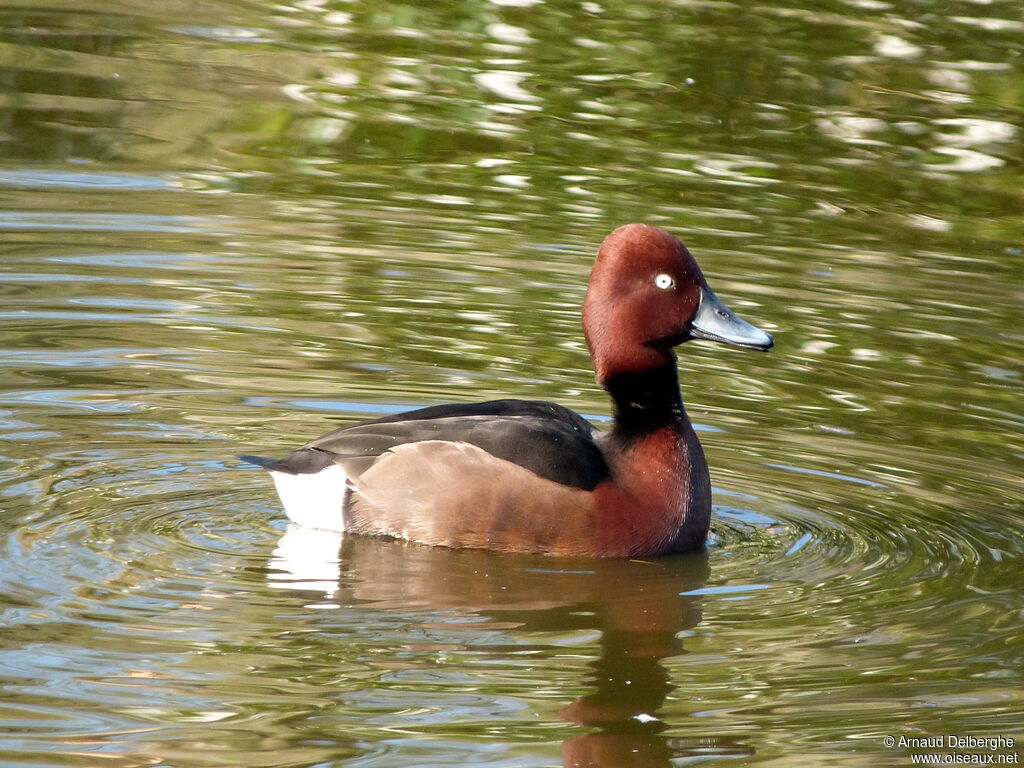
304 461
313 489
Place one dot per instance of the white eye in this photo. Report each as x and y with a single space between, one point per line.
664 281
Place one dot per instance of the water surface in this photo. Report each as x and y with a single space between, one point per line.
227 227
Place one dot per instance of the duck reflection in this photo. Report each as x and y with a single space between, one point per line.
640 608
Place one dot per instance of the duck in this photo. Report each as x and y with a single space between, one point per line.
533 476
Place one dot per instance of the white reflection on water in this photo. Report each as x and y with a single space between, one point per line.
306 559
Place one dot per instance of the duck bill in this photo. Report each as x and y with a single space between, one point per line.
716 322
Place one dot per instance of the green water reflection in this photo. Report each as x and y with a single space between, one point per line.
227 226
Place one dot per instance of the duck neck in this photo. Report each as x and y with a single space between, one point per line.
646 402
659 466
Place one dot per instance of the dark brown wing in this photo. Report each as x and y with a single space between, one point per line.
547 439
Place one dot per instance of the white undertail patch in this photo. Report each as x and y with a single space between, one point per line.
315 500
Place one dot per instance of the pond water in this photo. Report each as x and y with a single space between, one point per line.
228 226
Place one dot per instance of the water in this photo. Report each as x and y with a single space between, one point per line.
229 226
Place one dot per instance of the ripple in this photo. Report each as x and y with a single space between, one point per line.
126 539
149 567
121 222
81 180
841 552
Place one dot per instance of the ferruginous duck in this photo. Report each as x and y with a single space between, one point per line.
533 476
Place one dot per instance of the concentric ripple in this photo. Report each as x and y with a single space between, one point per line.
132 580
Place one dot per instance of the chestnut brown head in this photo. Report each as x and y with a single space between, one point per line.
646 296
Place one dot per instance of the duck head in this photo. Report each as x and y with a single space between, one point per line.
645 297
